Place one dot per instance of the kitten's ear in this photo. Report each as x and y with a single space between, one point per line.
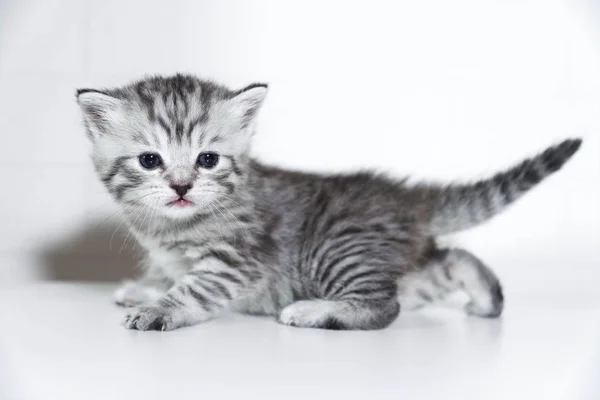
100 111
247 102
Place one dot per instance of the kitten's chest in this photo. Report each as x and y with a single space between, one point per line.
178 252
171 264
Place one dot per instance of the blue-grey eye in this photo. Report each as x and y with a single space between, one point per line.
207 160
150 160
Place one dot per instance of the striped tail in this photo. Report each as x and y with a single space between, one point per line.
457 207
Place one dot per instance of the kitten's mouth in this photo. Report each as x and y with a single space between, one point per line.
180 203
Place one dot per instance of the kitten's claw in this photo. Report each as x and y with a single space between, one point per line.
151 318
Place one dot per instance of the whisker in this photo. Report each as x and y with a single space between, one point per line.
118 210
245 231
228 222
154 215
130 230
225 196
117 228
216 220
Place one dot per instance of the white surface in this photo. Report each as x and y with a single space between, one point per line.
64 341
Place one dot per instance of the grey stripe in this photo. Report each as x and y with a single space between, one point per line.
222 289
165 126
221 274
227 258
114 169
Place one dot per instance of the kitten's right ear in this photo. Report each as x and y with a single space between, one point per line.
100 111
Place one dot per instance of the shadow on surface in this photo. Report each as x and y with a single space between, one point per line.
94 253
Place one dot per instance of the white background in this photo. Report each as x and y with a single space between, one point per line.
435 89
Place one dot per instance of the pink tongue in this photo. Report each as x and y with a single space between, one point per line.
181 203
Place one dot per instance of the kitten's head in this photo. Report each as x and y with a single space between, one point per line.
175 145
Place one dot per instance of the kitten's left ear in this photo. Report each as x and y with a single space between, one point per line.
248 101
101 111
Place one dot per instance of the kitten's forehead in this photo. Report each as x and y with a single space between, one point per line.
179 110
179 107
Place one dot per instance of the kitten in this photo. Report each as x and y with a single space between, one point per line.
223 231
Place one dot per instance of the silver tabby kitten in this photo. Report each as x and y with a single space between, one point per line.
223 231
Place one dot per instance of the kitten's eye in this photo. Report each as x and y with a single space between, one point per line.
150 160
207 160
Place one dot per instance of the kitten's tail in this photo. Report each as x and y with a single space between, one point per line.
457 207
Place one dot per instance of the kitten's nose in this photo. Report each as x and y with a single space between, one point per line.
181 190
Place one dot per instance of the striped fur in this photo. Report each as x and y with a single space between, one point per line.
459 207
327 251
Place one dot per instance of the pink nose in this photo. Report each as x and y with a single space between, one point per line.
181 190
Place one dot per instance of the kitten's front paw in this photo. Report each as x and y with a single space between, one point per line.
131 294
151 318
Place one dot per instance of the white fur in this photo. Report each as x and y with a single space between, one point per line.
132 293
310 312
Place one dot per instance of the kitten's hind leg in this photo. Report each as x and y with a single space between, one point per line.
354 297
357 291
451 270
